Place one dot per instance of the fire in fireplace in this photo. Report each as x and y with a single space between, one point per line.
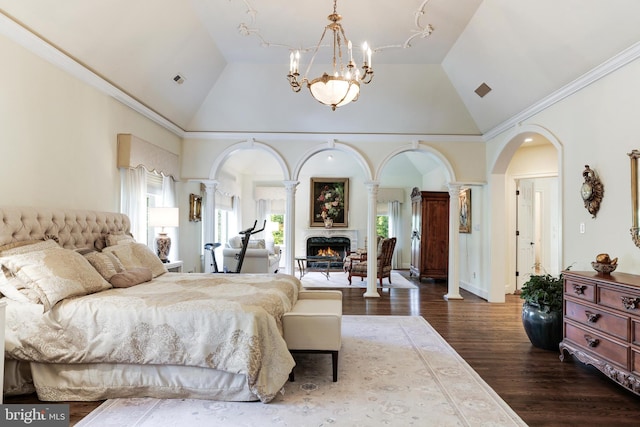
329 246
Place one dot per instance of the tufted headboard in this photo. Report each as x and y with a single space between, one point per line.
72 228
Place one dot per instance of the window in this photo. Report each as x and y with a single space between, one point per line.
277 230
382 225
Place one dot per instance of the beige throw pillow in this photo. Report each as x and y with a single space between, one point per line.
134 255
54 274
131 277
106 263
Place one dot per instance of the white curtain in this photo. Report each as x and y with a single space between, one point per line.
263 213
236 216
133 193
169 201
395 230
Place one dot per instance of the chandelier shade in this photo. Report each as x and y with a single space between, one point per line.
334 91
342 85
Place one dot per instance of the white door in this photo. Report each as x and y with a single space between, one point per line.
525 232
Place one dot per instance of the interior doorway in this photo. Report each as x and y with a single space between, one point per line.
537 228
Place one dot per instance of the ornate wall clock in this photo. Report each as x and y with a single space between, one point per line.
591 191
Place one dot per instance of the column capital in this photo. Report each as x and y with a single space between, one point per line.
290 185
210 185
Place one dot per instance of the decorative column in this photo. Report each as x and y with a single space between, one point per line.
372 247
289 225
454 243
209 216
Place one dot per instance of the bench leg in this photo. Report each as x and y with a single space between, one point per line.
334 361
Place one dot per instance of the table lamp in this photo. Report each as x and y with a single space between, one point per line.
163 217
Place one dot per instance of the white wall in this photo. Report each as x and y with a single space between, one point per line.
58 137
596 126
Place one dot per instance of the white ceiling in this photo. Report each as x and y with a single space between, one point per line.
524 50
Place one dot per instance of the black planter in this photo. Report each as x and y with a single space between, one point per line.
543 329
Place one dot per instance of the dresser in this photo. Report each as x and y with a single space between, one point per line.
602 324
429 234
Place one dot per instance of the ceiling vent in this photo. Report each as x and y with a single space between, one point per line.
482 90
178 79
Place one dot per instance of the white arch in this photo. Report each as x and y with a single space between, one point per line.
500 271
249 144
333 145
422 148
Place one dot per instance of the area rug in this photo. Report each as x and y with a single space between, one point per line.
393 371
340 279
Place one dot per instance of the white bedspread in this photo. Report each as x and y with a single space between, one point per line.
228 322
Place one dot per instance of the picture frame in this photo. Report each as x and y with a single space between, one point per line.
465 210
195 207
329 202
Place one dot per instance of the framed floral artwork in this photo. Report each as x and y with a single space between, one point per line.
465 211
329 202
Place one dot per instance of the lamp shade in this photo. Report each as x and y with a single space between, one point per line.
164 217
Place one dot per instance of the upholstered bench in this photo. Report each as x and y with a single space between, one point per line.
314 325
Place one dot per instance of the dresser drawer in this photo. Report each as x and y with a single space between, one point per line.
581 290
635 361
623 300
601 320
597 343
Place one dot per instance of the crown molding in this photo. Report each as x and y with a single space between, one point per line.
47 51
620 60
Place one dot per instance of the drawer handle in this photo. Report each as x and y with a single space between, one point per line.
592 317
630 303
579 289
592 342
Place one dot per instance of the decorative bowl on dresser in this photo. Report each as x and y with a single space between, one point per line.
601 324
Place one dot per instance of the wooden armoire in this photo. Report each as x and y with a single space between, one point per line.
429 234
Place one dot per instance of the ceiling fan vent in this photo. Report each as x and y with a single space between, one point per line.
178 79
482 90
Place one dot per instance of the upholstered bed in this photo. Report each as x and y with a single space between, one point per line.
75 333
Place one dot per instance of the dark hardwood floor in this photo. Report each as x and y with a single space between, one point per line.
490 337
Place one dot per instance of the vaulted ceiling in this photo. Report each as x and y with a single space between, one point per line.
234 57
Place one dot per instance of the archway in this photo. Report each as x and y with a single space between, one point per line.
502 199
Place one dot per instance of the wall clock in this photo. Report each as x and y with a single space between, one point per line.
591 191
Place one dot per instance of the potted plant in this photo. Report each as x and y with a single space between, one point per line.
542 310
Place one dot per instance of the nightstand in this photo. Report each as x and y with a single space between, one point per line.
175 266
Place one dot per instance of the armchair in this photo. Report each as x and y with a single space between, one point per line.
259 257
385 252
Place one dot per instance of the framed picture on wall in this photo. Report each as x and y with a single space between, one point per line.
329 202
465 210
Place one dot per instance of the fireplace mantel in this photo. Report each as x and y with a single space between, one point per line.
351 234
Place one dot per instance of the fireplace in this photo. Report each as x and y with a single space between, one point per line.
329 246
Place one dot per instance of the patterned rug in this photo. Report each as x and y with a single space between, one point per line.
393 370
340 279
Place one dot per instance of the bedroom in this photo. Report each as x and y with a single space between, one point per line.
59 134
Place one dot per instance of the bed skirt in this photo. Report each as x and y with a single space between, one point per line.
100 381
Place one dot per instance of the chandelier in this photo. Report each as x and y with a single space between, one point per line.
342 86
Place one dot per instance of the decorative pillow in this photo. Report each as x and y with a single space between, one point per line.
34 246
131 277
256 244
106 263
133 255
118 239
18 244
54 274
14 289
235 242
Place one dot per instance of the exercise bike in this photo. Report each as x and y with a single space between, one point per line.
246 236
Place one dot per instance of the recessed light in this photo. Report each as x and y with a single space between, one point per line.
528 140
